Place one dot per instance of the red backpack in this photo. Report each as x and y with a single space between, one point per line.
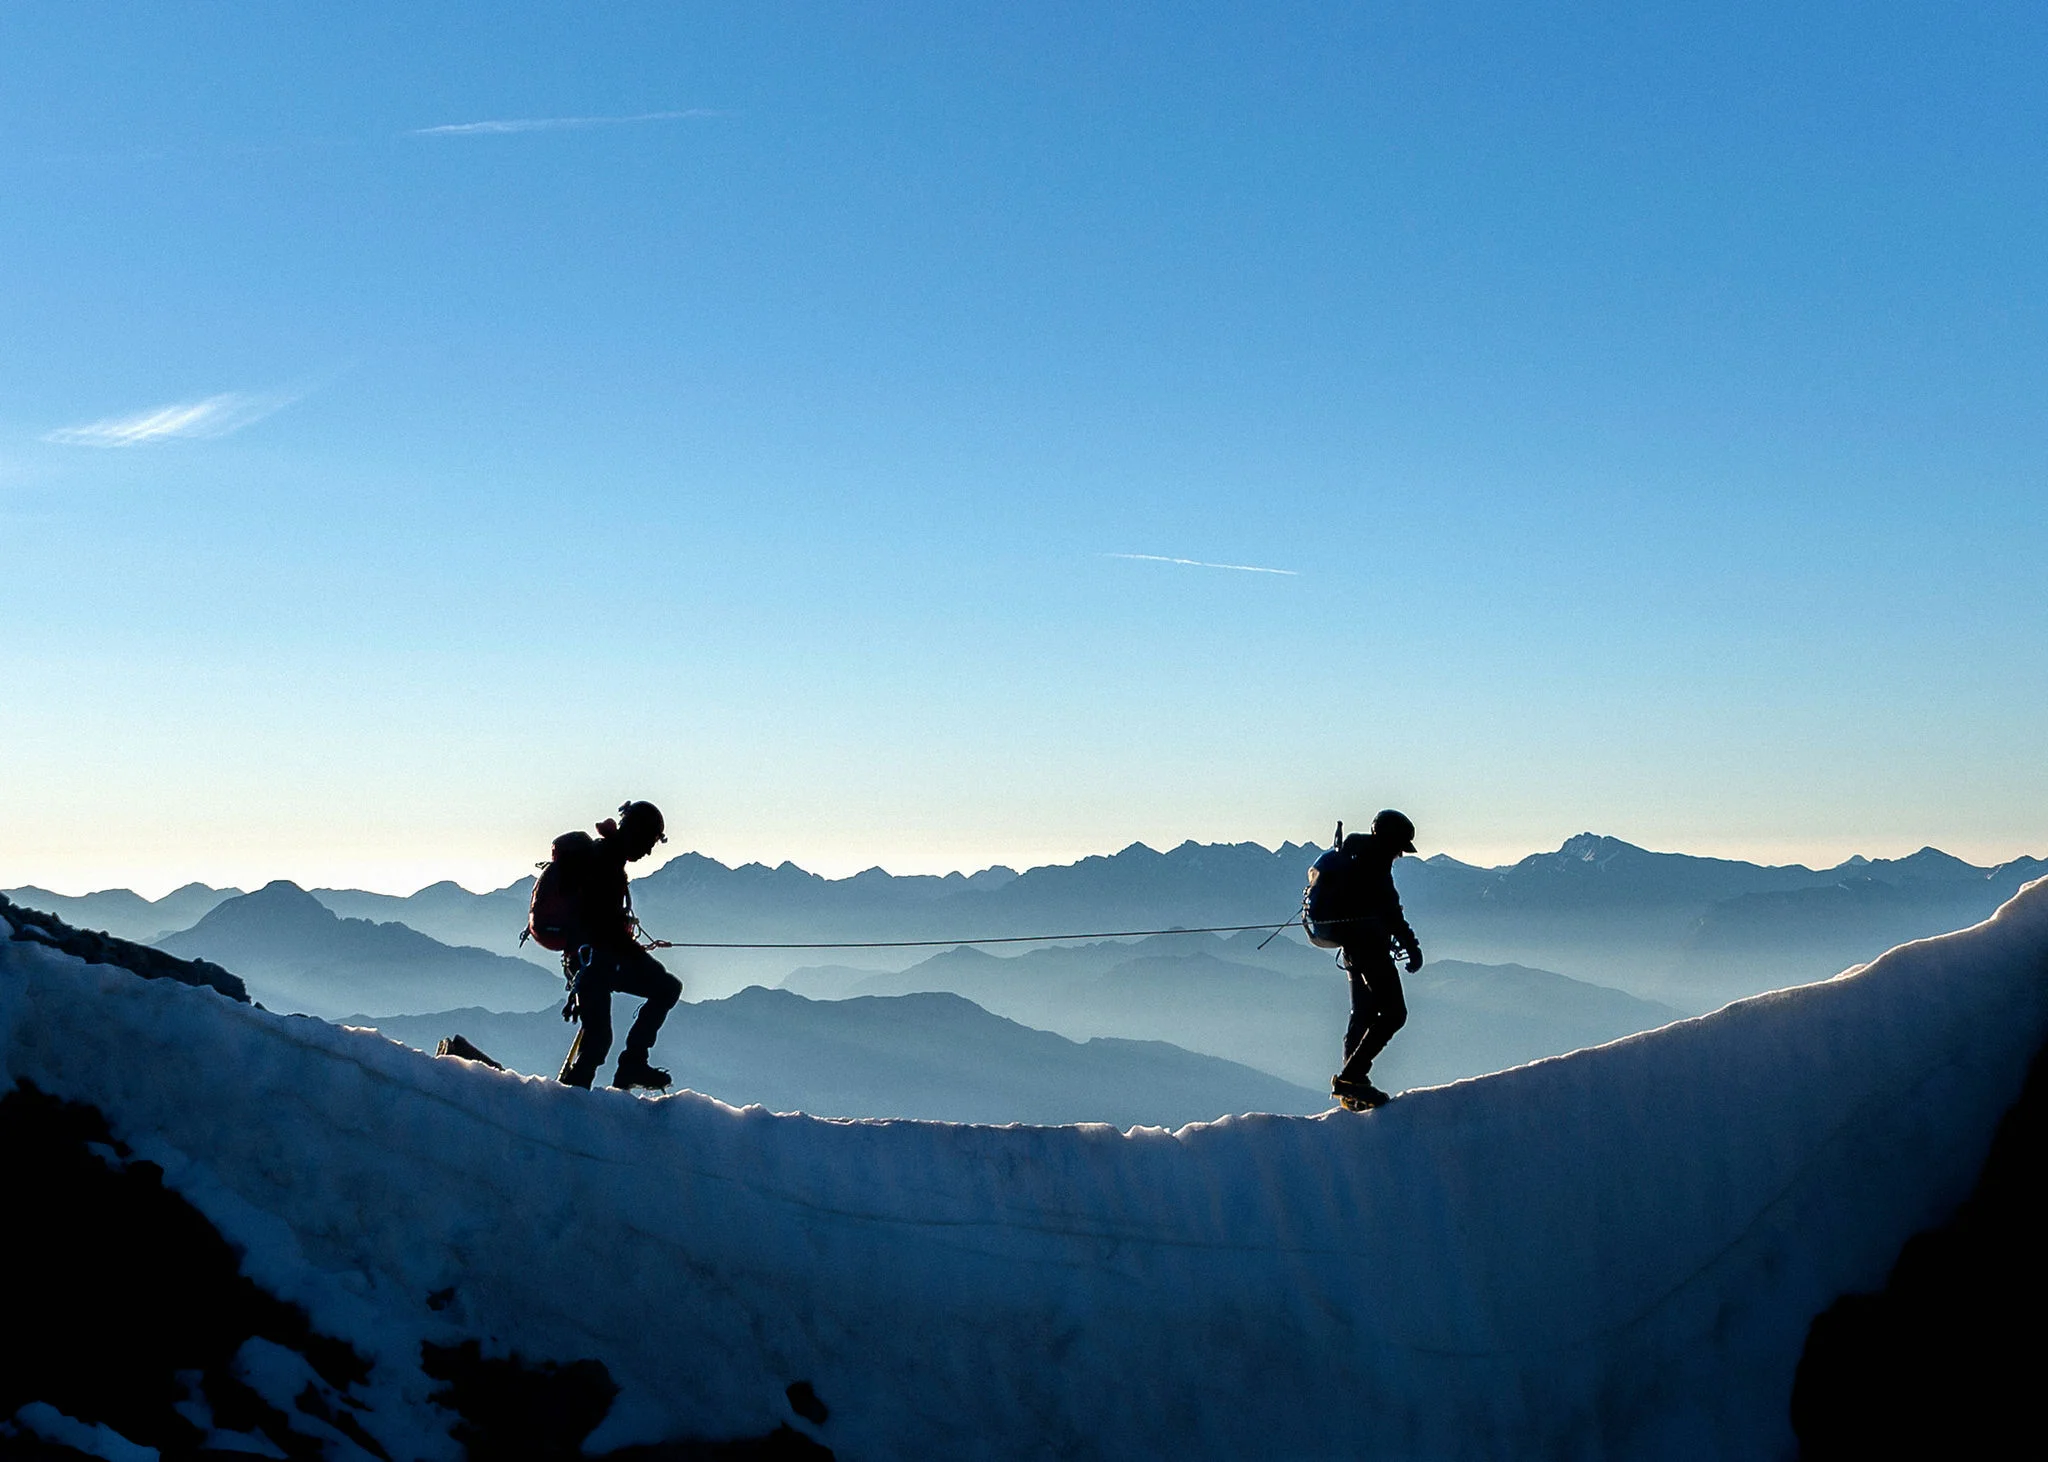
551 912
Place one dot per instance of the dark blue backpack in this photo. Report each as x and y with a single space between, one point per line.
1330 902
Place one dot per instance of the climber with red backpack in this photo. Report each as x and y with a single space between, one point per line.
582 908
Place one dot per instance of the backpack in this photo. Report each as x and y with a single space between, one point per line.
1329 902
551 912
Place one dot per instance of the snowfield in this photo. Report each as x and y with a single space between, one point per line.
1611 1254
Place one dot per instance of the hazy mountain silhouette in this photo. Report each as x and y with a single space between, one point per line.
297 955
1282 1010
1697 932
1597 909
934 1056
697 898
451 914
124 913
1686 931
1590 871
749 902
1791 935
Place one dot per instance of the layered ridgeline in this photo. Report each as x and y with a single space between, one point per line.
1688 932
1167 1030
1242 1014
124 913
1614 1253
297 955
933 1056
1275 1004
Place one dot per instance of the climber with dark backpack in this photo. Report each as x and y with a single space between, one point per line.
582 908
1351 905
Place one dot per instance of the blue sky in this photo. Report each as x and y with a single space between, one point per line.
786 413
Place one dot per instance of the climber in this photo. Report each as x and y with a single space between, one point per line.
582 907
1351 905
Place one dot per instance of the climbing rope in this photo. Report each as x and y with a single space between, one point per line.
950 943
1272 931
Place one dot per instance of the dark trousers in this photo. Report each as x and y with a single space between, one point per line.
1378 1008
628 971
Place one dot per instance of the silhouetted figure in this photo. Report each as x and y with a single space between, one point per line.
1351 905
583 907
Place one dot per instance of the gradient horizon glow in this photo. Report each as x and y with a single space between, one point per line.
928 438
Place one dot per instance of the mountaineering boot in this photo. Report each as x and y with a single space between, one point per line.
634 1071
1357 1096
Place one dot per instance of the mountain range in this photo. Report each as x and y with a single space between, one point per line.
1690 930
1659 934
124 913
1281 1010
1780 936
296 955
1670 927
1686 931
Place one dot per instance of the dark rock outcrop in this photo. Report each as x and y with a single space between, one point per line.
1944 1361
461 1047
132 1307
516 1410
105 949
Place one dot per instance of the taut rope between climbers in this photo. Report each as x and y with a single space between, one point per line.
949 943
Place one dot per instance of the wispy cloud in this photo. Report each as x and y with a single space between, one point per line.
553 124
216 416
1196 563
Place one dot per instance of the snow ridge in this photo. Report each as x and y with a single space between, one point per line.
1611 1253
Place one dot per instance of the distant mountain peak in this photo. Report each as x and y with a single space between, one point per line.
283 890
1593 848
1929 862
280 912
964 954
279 901
1445 860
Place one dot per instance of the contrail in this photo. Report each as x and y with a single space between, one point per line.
551 124
1196 563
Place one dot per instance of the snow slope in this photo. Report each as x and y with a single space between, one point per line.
1614 1253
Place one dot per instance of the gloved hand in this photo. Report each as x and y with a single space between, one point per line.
1414 953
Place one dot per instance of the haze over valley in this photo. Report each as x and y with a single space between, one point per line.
1558 951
